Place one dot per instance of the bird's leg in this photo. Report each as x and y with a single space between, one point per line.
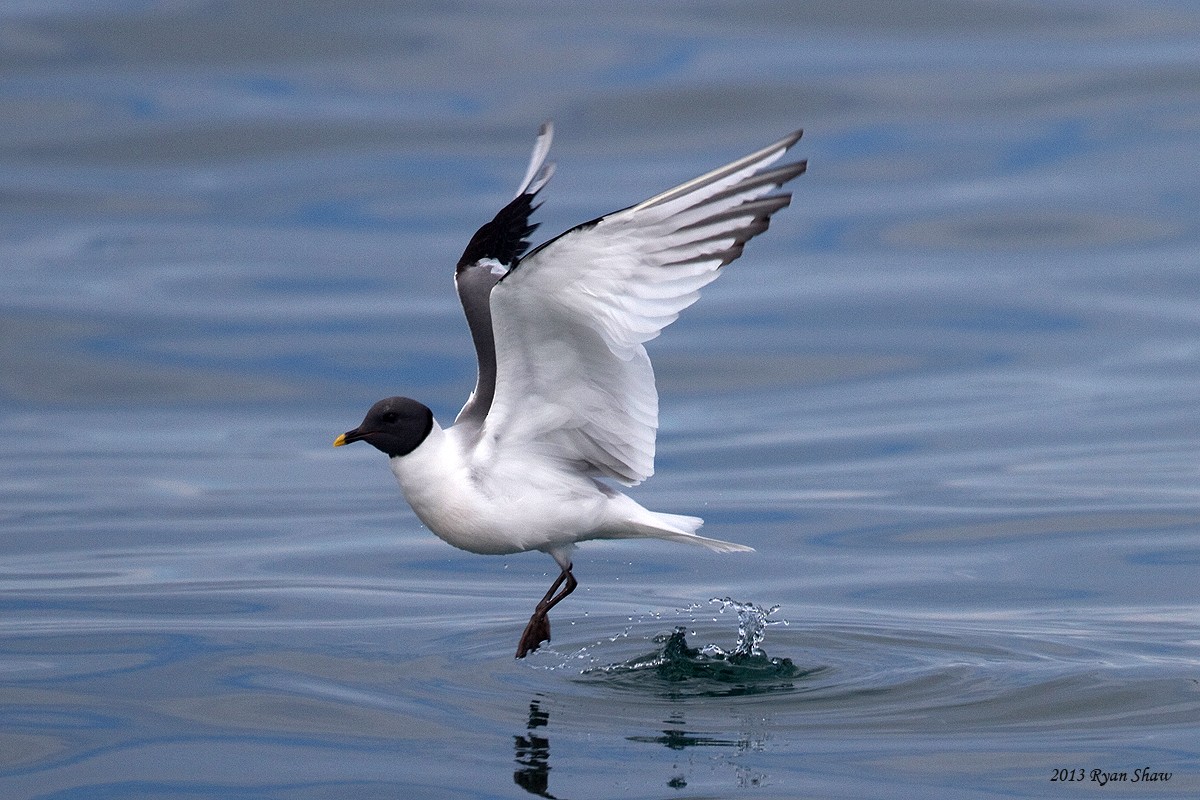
538 629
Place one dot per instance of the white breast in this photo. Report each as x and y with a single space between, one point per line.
509 509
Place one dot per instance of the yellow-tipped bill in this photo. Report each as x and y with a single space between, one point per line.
341 440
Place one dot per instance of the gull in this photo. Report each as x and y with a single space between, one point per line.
564 403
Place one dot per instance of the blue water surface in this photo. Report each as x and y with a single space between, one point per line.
950 398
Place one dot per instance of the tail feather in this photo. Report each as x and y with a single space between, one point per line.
676 528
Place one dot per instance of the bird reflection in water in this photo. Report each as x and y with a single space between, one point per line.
533 754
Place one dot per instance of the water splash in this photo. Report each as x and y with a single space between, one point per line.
752 627
679 669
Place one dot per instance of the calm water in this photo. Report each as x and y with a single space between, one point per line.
951 398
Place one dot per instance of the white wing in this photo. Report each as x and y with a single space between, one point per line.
574 381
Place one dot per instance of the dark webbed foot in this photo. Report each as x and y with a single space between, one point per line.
538 629
536 632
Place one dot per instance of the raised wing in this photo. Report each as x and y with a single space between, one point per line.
491 253
571 318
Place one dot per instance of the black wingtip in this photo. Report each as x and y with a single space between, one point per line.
504 238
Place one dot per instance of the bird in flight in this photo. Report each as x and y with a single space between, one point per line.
564 401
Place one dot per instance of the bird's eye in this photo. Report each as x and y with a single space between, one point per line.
391 417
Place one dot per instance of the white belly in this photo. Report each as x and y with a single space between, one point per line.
497 514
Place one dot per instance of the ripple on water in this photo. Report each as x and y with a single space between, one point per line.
880 674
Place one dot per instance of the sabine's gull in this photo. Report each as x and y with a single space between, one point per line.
565 397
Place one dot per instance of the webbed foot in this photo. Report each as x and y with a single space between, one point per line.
536 632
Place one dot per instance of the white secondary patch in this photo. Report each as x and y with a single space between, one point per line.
494 267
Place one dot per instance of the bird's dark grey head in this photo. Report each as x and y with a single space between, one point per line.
396 426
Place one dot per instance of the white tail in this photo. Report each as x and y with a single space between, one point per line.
674 528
